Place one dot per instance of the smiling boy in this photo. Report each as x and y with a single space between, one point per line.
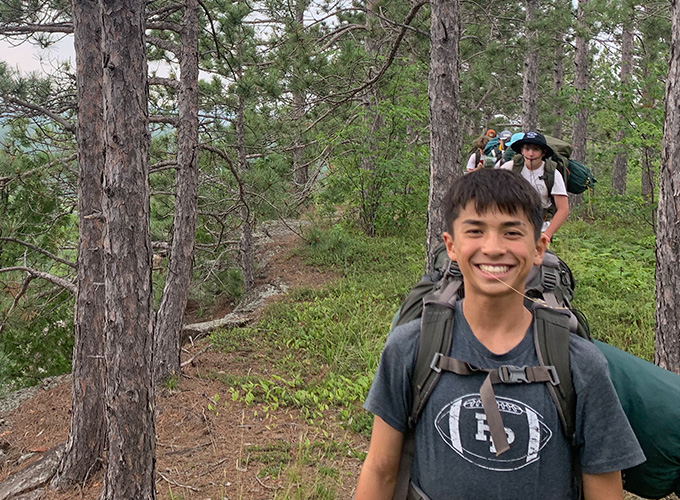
494 234
537 162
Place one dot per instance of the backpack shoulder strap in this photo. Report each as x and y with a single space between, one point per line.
517 164
436 331
552 328
549 175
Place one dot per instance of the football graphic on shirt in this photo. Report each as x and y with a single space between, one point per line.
462 425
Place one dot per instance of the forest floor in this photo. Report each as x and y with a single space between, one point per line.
205 449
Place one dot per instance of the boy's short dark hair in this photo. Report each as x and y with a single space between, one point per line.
494 189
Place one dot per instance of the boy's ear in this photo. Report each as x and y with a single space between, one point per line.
448 241
541 247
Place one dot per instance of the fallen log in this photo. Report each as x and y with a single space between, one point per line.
23 484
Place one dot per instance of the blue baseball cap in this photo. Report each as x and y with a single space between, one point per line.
515 137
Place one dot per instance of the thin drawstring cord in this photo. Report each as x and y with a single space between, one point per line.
520 293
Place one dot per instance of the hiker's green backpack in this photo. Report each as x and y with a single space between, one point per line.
577 177
642 388
492 146
493 150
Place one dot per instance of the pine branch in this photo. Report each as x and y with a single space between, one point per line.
70 127
57 280
41 250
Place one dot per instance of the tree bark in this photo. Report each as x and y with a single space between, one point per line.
620 168
581 85
530 86
128 306
558 84
170 317
300 170
245 246
647 180
667 344
87 437
444 95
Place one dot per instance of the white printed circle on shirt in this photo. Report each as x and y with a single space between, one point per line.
462 425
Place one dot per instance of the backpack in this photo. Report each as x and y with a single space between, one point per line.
577 177
492 147
548 177
489 159
642 387
580 178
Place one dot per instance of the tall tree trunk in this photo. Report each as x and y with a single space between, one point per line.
300 171
87 437
580 84
620 168
530 87
246 249
558 84
444 94
128 306
667 344
648 182
373 121
170 317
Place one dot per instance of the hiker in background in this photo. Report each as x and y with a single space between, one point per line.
509 152
504 138
495 148
493 221
477 155
542 174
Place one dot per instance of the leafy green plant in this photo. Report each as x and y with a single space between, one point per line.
613 264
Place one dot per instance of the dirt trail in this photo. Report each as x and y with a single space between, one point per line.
206 449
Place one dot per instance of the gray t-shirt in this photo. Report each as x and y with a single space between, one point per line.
454 456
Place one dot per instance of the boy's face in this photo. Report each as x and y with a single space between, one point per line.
533 155
494 250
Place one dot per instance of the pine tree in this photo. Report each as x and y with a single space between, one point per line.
667 343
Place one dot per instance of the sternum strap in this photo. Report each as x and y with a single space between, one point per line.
506 374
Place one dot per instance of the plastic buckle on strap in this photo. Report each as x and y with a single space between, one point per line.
434 364
550 280
510 374
554 378
453 270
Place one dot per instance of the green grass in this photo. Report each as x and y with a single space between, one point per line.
613 263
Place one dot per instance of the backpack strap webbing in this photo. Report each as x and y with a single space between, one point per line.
436 333
545 280
415 493
549 174
506 374
552 328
